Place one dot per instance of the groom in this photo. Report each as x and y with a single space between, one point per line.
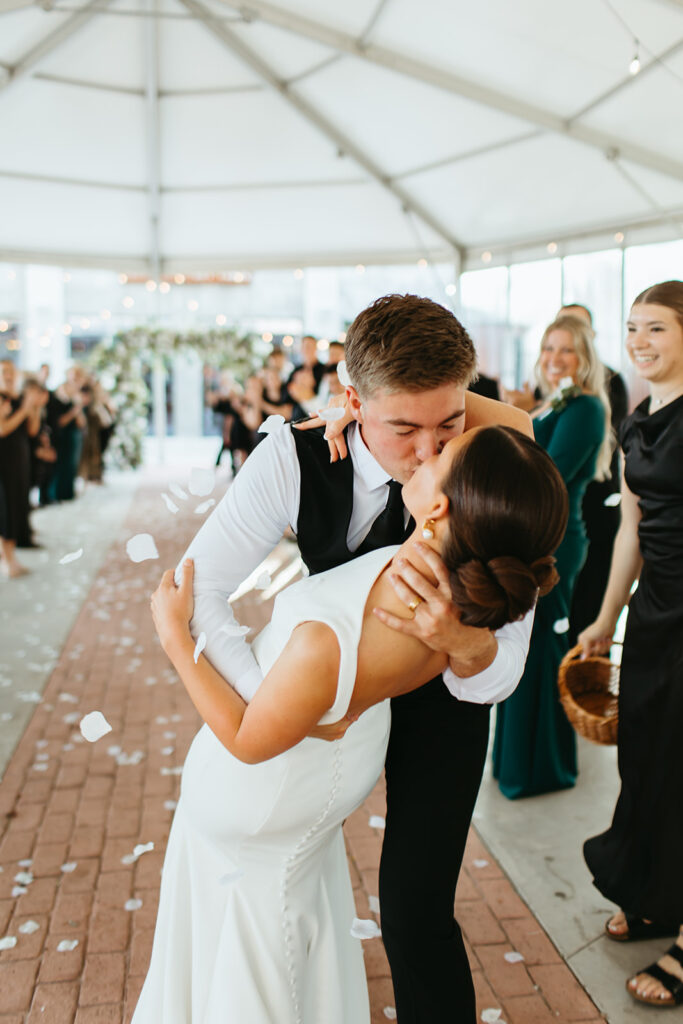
410 362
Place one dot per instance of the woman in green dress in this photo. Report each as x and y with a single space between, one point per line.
535 748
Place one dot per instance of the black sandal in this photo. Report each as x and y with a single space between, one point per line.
671 983
638 929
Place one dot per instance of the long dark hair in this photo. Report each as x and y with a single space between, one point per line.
508 515
668 293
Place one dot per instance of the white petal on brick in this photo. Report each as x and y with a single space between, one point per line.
67 746
491 1015
169 735
375 821
332 414
39 767
72 717
177 770
142 848
128 858
263 581
178 491
8 942
231 876
141 547
373 903
271 423
68 698
612 500
234 629
170 805
66 945
480 863
390 1012
199 646
70 866
561 626
94 726
29 927
167 751
132 904
514 958
41 744
71 557
202 481
343 373
18 890
169 503
161 720
204 507
365 929
25 863
23 877
114 750
42 757
29 696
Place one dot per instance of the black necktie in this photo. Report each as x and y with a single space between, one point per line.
389 526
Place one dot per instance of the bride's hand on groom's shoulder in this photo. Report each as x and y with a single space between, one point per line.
173 606
425 589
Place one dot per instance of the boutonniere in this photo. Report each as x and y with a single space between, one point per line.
563 394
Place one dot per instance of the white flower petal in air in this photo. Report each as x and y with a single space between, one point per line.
29 927
234 629
8 942
132 904
199 646
204 507
491 1015
202 481
365 929
514 958
375 821
561 626
142 848
170 505
94 726
70 866
332 414
343 374
373 903
271 423
141 547
66 945
480 863
178 491
71 557
264 581
612 500
390 1012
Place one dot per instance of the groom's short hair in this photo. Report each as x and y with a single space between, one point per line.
407 343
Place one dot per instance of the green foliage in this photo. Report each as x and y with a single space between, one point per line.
123 363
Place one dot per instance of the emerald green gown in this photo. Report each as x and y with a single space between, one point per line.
534 748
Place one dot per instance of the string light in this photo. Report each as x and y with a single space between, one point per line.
267 336
360 269
193 305
164 287
66 329
552 247
422 262
4 326
288 341
619 236
128 301
451 289
634 66
85 323
123 278
298 273
323 345
179 278
151 285
486 257
105 314
221 319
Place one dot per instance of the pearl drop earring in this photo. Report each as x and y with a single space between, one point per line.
428 529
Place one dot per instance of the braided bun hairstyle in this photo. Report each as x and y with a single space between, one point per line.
508 514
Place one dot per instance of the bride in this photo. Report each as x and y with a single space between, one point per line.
256 908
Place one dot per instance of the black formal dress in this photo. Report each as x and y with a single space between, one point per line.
15 480
434 765
636 863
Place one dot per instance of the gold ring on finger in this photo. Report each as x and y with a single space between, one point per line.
414 603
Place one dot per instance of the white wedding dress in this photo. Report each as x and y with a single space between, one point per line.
256 907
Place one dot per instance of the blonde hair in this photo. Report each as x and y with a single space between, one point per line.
590 375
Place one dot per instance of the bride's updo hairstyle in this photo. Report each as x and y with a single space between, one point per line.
508 514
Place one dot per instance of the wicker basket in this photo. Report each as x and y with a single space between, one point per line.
589 692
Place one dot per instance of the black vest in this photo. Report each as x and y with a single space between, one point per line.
326 503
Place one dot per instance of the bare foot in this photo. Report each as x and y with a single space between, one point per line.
648 987
16 570
617 925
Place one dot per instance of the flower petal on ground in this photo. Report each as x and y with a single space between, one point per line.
365 929
178 491
132 904
514 958
480 863
141 547
66 945
170 505
8 942
29 927
71 557
142 848
94 726
70 866
204 507
491 1015
202 481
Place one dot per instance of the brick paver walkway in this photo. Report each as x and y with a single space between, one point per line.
81 905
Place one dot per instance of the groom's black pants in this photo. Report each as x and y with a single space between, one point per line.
435 761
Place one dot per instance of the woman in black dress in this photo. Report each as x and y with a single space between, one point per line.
19 422
636 863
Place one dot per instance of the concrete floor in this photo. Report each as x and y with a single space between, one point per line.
537 841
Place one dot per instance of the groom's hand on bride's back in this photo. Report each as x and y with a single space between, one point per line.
423 586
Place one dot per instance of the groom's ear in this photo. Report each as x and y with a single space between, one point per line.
354 403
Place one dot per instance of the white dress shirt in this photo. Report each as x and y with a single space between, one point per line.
248 523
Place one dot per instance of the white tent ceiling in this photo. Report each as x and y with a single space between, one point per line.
170 135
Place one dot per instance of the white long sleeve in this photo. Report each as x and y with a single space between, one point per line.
499 680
